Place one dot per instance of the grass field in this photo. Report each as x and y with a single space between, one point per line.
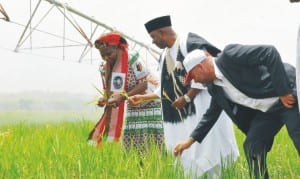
53 145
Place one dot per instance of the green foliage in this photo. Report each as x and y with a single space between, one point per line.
60 150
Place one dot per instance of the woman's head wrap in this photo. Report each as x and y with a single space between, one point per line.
111 39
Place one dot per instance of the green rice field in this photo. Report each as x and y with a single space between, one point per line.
54 145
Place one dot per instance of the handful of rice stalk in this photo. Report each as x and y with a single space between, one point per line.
103 94
96 98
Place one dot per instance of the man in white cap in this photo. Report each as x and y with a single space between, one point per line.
183 105
257 91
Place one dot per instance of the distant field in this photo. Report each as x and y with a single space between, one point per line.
53 145
14 117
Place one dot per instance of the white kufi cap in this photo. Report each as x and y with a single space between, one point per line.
191 60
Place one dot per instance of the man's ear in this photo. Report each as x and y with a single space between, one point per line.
200 66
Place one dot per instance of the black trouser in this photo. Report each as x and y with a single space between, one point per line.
260 133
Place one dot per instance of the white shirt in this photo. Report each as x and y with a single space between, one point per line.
238 97
173 53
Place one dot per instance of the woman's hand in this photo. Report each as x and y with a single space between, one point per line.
152 80
115 100
136 99
101 102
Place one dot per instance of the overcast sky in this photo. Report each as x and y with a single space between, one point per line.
220 22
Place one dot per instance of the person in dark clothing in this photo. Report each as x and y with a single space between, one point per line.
257 91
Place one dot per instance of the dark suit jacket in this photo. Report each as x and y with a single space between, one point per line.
255 70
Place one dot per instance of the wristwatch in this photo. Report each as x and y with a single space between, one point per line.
187 98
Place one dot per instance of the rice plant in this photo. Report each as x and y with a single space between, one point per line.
57 148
